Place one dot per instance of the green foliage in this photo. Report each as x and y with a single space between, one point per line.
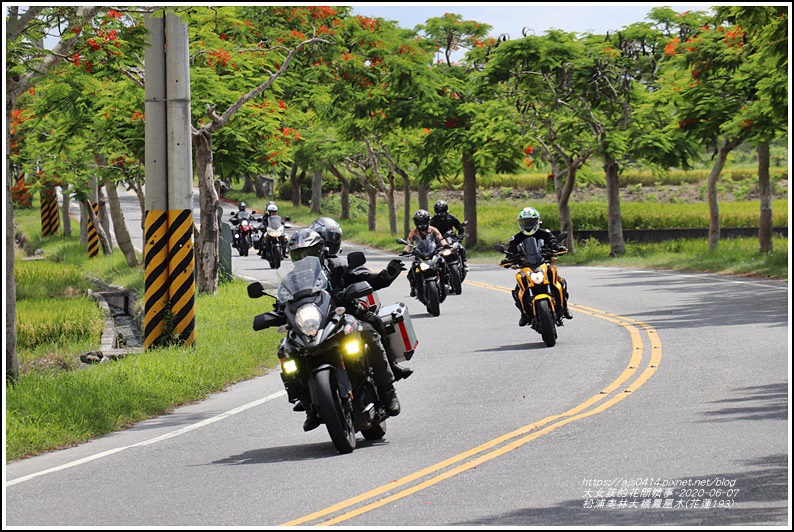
57 321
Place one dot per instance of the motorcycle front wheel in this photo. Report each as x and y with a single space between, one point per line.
433 303
548 330
338 420
275 257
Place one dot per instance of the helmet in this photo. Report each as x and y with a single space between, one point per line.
241 206
304 243
529 220
331 233
271 208
422 220
441 207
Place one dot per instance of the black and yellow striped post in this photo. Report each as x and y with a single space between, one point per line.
181 275
93 236
155 260
50 220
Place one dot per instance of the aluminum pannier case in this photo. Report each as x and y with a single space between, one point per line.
400 331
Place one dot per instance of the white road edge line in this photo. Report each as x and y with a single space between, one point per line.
178 432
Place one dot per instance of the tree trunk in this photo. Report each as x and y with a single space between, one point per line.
470 199
617 245
714 206
564 207
248 185
259 188
345 192
317 192
207 242
10 287
123 238
372 208
67 219
295 181
421 192
104 219
392 206
100 231
407 214
83 225
765 191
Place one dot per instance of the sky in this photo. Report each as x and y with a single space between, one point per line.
512 17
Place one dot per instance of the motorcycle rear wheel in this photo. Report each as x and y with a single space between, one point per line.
548 330
338 420
455 280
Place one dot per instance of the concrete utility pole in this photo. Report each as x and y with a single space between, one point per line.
169 278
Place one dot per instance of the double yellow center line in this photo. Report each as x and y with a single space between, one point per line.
618 390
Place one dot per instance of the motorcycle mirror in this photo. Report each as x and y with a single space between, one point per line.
287 226
499 247
402 241
464 222
356 259
256 290
562 236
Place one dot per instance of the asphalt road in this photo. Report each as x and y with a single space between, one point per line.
664 403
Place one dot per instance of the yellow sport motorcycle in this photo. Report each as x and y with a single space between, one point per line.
539 291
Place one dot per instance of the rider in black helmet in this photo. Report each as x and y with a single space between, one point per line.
422 230
444 222
331 232
306 242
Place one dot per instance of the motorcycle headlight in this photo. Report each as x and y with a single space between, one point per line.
353 347
308 319
289 366
447 252
244 223
424 266
275 233
537 277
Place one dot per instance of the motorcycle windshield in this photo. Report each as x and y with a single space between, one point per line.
530 251
306 277
426 248
274 222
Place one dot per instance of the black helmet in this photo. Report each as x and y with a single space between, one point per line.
271 208
241 206
331 232
304 243
422 220
441 207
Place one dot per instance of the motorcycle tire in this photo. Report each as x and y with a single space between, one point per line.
275 260
433 302
548 330
338 420
375 432
455 280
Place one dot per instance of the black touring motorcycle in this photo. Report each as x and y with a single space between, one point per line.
324 358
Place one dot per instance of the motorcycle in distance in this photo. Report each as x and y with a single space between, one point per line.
539 288
454 259
324 362
242 230
431 276
271 239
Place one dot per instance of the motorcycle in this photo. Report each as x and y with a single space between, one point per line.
453 256
272 242
431 276
241 232
324 358
540 291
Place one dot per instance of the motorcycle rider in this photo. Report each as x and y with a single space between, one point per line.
529 224
306 242
331 233
422 230
271 209
444 221
239 216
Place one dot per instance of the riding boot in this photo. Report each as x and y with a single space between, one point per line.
390 402
312 421
400 372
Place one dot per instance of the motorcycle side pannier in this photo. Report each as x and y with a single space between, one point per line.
400 331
